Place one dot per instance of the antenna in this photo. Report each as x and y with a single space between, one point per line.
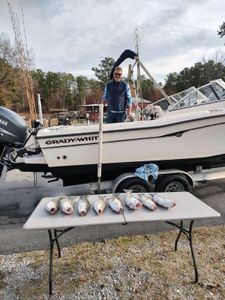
139 90
24 61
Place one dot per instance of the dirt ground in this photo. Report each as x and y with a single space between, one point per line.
140 267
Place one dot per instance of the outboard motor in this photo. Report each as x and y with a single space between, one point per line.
13 129
13 133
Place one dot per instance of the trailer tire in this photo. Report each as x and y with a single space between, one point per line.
173 183
137 185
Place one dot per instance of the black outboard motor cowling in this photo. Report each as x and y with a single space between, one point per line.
13 128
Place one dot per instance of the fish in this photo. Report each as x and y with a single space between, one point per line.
99 205
115 204
131 201
163 202
66 205
52 206
83 206
147 201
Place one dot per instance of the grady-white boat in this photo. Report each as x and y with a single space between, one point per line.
185 141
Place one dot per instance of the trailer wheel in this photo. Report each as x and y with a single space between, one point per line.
137 185
173 183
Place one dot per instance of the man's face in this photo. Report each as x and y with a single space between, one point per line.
117 75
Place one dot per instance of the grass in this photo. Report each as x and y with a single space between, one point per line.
141 267
2 282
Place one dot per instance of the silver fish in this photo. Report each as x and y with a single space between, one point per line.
115 204
163 202
52 206
66 205
131 201
147 201
99 205
83 206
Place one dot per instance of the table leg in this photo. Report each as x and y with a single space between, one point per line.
57 243
57 234
192 250
179 234
51 244
188 234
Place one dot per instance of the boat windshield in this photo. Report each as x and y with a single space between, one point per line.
211 92
174 99
193 98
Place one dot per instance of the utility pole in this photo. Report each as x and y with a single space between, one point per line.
24 62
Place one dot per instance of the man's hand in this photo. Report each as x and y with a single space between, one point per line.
130 117
129 112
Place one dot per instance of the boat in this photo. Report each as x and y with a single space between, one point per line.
185 141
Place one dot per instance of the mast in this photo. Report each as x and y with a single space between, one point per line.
139 91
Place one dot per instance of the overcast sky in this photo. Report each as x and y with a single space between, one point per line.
74 36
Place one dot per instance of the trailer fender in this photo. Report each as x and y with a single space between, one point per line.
177 172
174 182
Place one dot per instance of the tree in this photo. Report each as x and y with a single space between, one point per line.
10 86
58 90
70 87
39 85
82 84
103 72
147 87
94 92
197 75
221 31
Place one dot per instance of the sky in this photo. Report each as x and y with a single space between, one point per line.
73 36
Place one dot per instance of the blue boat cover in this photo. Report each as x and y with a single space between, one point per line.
146 170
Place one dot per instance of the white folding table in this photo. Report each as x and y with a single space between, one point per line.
188 207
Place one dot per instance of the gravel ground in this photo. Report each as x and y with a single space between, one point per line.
140 267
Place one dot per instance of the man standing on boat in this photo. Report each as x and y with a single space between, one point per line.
118 98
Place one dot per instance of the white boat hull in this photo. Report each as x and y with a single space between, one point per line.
140 141
184 142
